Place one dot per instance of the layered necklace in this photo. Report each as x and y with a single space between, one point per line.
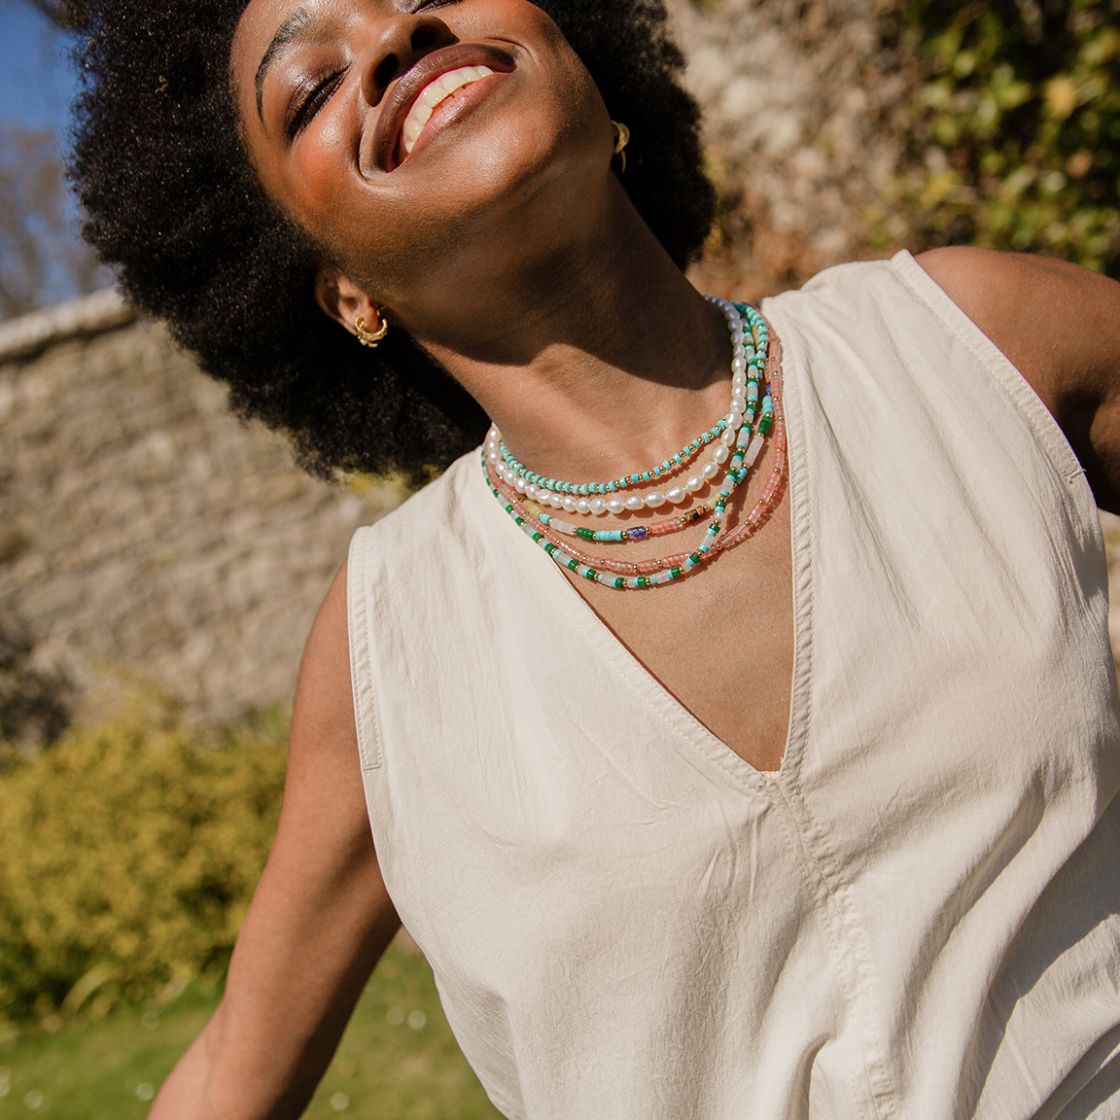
736 439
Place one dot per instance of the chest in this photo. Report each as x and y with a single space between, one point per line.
720 643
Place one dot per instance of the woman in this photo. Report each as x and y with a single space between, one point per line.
825 828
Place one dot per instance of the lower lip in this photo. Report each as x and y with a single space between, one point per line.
453 109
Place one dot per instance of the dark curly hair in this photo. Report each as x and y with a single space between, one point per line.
171 200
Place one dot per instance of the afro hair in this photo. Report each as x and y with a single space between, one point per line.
171 201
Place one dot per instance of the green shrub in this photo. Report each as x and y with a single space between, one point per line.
1013 136
129 854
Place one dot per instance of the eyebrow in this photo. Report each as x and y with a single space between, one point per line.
288 33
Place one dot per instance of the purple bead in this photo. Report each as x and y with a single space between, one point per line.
637 534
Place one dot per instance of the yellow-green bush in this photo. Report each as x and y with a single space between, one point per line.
1014 131
128 855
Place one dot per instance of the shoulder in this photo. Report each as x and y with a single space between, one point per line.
423 517
1059 325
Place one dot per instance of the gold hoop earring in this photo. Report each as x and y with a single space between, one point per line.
367 337
621 139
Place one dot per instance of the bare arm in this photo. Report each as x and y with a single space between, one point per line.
1060 325
319 920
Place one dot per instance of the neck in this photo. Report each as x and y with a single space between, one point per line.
599 357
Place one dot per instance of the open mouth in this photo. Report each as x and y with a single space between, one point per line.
440 87
431 98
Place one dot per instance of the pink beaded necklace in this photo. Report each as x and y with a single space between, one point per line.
554 535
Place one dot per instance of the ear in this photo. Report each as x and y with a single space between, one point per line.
342 300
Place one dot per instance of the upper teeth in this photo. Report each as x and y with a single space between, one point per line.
432 94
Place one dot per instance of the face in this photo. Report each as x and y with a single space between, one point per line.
431 146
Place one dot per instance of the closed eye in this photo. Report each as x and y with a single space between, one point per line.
309 99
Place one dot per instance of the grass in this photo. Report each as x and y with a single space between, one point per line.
398 1059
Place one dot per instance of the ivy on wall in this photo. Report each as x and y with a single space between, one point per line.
1013 133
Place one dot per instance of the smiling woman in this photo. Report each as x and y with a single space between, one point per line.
172 201
800 835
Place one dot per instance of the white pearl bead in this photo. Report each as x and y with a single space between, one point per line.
739 364
634 503
520 485
532 490
544 498
598 506
583 506
728 437
569 504
735 420
694 483
721 454
710 470
738 404
615 505
655 499
677 495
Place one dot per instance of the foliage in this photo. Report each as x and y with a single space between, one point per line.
1014 133
131 851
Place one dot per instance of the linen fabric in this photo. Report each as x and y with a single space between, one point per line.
916 917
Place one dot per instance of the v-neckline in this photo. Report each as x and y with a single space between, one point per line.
642 681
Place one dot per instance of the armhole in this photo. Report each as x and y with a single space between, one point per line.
1052 439
361 675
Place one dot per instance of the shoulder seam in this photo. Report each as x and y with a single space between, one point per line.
361 683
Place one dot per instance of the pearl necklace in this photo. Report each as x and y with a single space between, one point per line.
564 551
508 485
748 359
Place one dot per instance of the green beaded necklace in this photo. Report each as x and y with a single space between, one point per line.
751 343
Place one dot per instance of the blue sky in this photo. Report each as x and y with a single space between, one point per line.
36 80
37 83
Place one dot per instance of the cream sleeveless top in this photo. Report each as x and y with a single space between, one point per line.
916 917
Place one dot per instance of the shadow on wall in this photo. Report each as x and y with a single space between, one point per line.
35 705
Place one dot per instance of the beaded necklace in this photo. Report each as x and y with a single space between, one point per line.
631 533
765 505
750 344
508 482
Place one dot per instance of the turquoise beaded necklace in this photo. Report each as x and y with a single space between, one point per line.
586 489
750 342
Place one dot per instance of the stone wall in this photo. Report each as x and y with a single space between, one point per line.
796 96
145 533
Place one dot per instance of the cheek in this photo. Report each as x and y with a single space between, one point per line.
321 178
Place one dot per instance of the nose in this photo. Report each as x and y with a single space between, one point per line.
398 42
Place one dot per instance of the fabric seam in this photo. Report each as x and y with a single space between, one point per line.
877 1089
361 682
881 1085
801 526
1022 394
